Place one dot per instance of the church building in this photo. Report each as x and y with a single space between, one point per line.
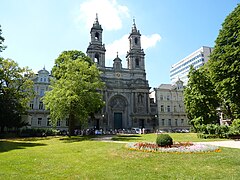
126 94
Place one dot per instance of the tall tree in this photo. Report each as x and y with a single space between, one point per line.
16 90
224 64
2 47
59 67
200 97
75 91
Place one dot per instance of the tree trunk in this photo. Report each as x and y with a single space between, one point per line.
71 126
230 112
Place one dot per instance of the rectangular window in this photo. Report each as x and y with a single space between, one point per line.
163 122
39 121
31 105
169 122
168 109
168 97
176 122
58 123
161 97
137 63
40 105
182 121
41 92
175 108
162 108
151 100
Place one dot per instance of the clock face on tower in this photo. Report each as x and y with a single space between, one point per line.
118 75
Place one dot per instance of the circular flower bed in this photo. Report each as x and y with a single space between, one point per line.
186 147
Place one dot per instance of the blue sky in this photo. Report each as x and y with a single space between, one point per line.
37 31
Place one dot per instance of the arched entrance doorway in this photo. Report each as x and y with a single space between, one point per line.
118 107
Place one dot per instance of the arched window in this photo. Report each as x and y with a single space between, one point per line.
96 36
96 58
136 40
137 62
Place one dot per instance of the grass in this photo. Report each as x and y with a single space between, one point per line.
83 158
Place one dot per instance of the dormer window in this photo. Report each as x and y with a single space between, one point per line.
97 36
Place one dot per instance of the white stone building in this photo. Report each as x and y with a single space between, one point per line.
38 117
171 112
197 59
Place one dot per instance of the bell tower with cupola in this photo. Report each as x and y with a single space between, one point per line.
96 50
135 55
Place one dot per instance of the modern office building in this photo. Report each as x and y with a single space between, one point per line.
171 115
196 59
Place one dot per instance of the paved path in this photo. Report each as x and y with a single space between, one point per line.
230 143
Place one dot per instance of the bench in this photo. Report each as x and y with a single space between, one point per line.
234 136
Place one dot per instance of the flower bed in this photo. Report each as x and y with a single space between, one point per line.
186 147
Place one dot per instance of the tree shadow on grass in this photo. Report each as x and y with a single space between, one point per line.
6 146
73 139
132 137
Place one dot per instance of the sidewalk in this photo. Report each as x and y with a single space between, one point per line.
230 143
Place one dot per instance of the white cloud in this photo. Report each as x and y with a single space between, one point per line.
110 13
150 40
122 45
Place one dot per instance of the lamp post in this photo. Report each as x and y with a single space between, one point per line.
155 121
104 123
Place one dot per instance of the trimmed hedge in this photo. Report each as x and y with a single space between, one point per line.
164 140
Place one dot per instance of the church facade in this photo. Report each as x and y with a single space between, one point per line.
126 94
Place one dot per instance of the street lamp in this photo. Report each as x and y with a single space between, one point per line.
155 121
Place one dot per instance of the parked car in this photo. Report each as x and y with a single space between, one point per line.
136 130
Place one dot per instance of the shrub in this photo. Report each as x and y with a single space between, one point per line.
38 132
164 140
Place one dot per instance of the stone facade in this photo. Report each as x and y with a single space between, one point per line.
171 111
38 117
126 94
127 91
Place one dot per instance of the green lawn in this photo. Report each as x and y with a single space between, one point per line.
83 158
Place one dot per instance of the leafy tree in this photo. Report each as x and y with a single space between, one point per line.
74 92
16 90
2 47
59 68
224 64
200 98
